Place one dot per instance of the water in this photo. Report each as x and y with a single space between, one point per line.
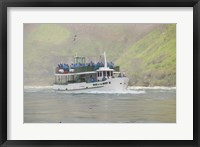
137 105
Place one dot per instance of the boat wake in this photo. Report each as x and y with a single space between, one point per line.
120 92
130 90
38 89
106 92
50 89
151 88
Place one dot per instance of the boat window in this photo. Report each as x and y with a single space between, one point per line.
104 73
71 78
61 79
100 74
108 73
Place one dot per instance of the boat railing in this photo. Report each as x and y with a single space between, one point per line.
59 70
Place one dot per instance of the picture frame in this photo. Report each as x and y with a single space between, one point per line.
100 3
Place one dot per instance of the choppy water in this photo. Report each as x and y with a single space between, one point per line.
137 105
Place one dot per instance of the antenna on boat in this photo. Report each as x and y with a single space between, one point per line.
105 62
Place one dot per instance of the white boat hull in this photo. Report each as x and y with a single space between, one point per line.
112 84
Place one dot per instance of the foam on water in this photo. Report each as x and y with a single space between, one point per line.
50 89
118 92
38 88
105 92
130 90
153 88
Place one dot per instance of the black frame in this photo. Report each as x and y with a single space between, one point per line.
98 3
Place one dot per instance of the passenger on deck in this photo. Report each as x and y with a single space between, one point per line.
91 63
61 65
65 67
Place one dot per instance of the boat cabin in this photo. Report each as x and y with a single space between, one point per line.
104 73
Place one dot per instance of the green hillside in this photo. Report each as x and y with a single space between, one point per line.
152 60
146 52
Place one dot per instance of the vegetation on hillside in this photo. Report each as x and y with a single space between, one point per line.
152 60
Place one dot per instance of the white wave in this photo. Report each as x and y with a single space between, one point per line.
50 89
38 87
104 92
119 92
155 88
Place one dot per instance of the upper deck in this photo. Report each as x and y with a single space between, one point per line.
80 69
80 66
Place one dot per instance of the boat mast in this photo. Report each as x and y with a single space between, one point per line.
105 62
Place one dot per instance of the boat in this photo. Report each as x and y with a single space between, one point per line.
82 76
